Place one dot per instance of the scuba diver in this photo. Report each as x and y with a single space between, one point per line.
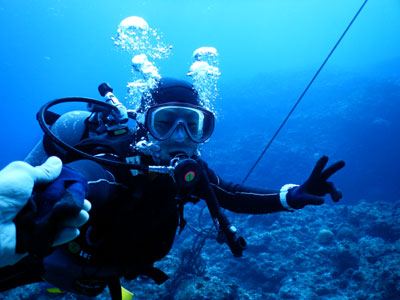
136 211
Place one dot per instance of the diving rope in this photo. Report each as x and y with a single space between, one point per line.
304 92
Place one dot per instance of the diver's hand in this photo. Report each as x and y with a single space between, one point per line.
16 185
17 181
316 186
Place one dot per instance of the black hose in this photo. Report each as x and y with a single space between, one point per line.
41 119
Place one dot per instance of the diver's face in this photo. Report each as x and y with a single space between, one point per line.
177 143
177 128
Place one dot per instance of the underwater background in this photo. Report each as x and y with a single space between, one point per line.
268 52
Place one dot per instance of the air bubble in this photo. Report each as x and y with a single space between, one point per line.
205 74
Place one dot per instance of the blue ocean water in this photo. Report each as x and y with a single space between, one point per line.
268 50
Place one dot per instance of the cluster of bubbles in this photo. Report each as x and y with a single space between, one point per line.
135 35
145 45
205 74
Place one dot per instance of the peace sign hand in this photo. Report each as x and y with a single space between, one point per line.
316 186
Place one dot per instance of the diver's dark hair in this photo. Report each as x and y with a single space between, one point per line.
171 90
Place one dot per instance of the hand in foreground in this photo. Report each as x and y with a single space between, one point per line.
316 186
17 183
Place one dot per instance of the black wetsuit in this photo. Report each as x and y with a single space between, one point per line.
134 219
133 222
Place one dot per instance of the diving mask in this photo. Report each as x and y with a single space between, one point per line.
163 119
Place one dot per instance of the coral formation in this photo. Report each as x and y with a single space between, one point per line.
326 252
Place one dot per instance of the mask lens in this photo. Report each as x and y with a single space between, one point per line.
162 121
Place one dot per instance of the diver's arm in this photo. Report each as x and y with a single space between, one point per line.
243 199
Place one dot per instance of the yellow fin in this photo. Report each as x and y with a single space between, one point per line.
126 295
55 290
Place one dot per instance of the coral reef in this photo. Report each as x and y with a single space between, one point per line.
325 252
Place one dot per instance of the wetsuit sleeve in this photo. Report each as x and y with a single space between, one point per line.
243 199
